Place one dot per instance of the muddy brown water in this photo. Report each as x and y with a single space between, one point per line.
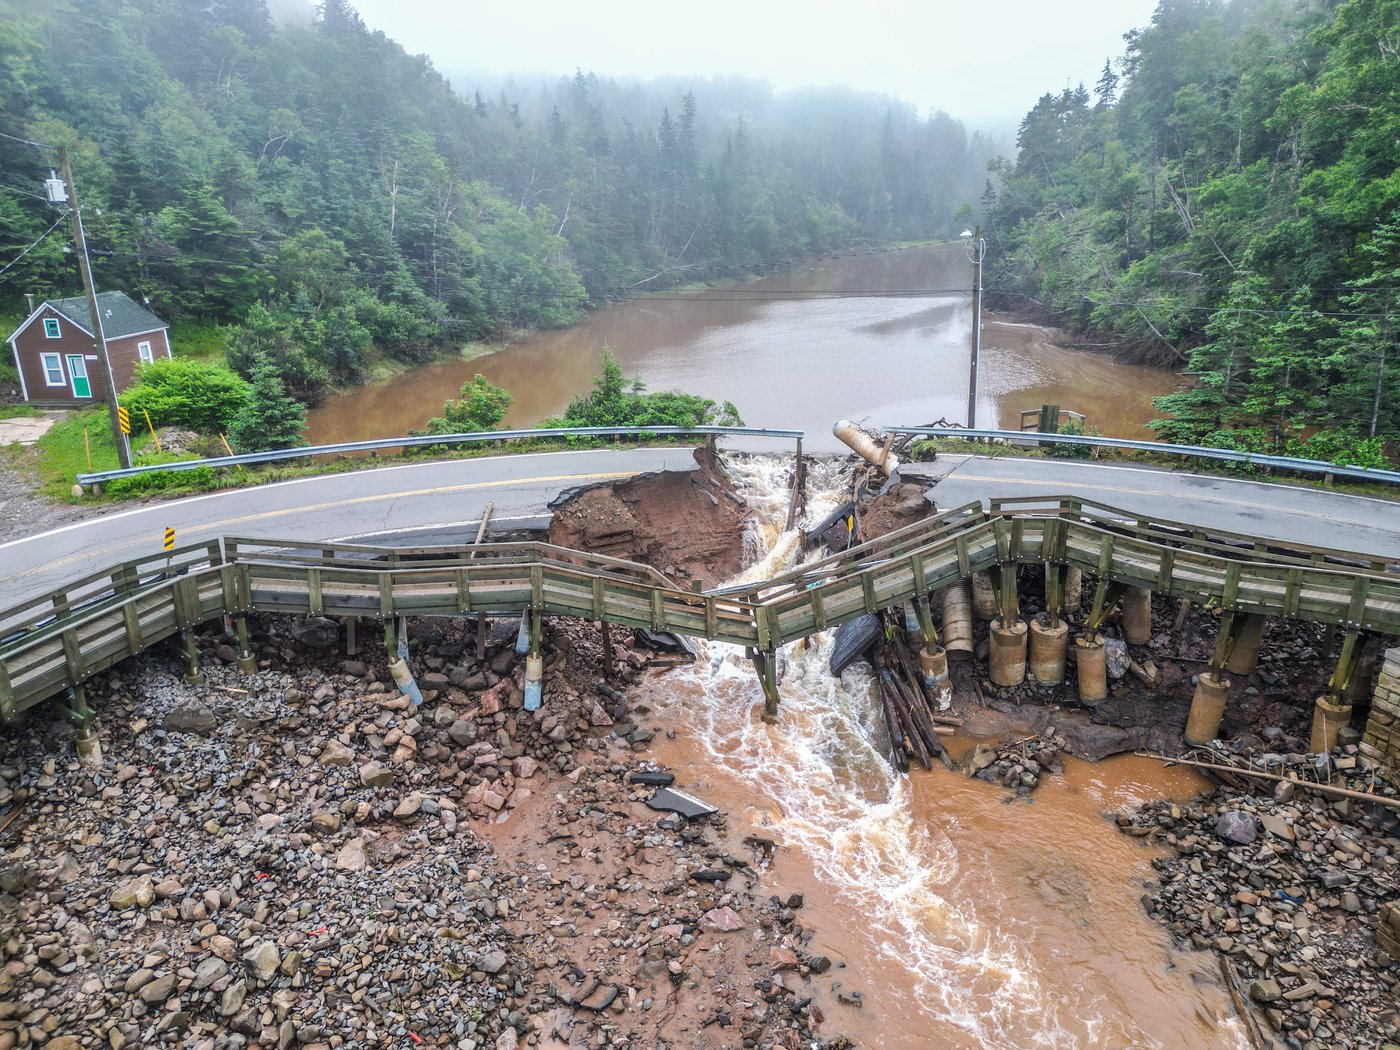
964 917
885 359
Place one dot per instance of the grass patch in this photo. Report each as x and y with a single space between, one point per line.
200 341
19 412
63 452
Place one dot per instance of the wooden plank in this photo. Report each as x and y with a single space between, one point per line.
386 594
964 561
313 588
711 618
464 591
1230 598
819 603
1164 571
867 590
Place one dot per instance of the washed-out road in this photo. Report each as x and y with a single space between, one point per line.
439 503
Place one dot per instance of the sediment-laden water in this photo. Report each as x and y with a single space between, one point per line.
885 358
965 919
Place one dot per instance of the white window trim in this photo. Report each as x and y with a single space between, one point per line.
144 353
48 376
57 332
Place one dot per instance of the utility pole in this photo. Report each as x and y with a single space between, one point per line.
85 266
979 249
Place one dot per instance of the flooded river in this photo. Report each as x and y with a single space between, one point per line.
964 918
791 361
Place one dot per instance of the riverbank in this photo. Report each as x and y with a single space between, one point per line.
325 862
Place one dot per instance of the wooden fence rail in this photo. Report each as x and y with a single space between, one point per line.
59 641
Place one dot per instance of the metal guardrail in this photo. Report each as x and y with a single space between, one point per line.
423 440
1302 466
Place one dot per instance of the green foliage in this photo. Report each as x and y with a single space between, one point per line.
616 401
271 419
323 176
195 479
482 406
1073 450
62 453
190 394
1342 448
1231 199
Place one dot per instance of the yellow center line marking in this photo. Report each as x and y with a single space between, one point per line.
223 524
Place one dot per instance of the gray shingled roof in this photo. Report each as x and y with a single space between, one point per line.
121 315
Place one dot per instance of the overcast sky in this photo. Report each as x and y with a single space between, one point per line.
986 61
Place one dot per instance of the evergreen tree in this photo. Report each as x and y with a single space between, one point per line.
271 419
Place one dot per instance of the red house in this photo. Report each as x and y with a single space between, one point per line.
56 354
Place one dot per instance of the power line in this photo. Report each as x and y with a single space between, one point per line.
35 244
27 142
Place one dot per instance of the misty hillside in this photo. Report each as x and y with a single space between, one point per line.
318 180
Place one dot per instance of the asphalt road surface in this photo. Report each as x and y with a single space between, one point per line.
405 499
441 503
1292 514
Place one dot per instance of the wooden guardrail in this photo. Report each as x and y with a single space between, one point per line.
60 641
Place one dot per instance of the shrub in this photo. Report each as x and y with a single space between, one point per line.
189 394
482 406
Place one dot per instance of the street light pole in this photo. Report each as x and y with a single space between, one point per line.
979 249
85 267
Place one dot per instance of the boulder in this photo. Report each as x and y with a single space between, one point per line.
138 893
191 717
1238 827
315 632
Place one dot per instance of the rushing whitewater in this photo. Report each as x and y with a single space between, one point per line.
827 791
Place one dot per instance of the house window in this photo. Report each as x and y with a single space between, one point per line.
53 370
144 349
51 328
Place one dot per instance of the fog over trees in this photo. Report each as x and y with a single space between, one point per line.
336 200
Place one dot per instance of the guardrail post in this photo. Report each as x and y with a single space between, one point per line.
88 746
765 662
247 662
189 651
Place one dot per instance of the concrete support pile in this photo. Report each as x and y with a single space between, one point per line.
1381 742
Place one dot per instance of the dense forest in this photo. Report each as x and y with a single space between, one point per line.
1228 197
336 201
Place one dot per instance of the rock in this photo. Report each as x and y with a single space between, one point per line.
1235 826
408 807
781 958
232 999
14 879
191 717
315 632
160 989
208 971
819 964
493 962
462 732
352 856
138 893
524 767
325 822
1277 826
372 774
724 919
508 1040
261 963
336 754
1264 991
